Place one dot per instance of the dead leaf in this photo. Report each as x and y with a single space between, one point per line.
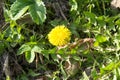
115 3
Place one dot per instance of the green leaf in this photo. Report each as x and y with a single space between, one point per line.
76 57
19 7
30 56
74 5
8 77
85 76
101 21
54 57
7 15
36 8
23 49
61 51
22 77
21 12
63 71
96 44
36 49
110 23
94 74
33 74
101 38
110 67
55 22
118 22
91 17
38 12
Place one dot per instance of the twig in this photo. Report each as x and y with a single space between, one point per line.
61 11
79 43
82 41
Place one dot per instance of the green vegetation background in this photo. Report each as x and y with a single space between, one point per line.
26 54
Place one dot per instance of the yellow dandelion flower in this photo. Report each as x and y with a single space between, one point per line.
59 36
